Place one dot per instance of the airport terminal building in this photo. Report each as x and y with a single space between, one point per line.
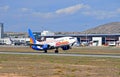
93 39
82 39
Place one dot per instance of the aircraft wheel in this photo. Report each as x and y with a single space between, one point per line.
56 51
45 51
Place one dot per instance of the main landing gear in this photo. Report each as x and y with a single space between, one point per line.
45 51
56 50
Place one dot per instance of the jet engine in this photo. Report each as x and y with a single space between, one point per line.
65 47
45 46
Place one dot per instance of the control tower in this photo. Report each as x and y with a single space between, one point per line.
1 30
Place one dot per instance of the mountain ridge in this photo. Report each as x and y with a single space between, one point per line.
109 28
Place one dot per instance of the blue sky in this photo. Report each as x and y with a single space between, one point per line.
57 15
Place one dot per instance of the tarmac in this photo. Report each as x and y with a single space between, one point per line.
62 54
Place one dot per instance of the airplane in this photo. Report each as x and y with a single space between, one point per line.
63 42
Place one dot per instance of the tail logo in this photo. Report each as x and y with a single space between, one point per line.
31 41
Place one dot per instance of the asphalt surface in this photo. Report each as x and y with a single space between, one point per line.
62 54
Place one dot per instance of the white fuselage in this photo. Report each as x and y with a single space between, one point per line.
59 41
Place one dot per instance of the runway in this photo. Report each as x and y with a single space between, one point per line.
63 54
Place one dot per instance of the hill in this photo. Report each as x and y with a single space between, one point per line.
109 28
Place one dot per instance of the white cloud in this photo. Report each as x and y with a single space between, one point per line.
118 10
43 15
71 9
102 14
4 8
25 9
81 8
63 11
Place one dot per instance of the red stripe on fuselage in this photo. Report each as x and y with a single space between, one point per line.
62 43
